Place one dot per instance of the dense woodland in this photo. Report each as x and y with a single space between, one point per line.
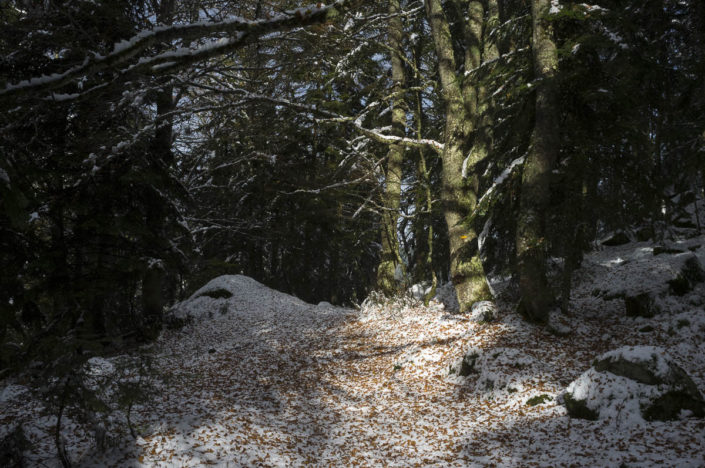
329 150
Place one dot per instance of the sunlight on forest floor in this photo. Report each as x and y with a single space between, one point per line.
269 380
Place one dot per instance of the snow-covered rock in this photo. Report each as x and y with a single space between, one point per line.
233 293
483 311
615 238
445 294
631 384
641 305
496 369
418 291
691 273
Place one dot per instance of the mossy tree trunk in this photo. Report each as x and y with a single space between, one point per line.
536 296
390 259
459 195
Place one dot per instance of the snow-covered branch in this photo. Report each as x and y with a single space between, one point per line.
374 134
239 30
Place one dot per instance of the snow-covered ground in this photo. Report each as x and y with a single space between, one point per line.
264 379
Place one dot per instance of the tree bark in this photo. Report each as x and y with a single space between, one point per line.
458 198
536 296
390 258
160 155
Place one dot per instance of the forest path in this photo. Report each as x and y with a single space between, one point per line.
328 389
278 382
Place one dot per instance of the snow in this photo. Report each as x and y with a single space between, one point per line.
500 179
4 177
126 49
640 354
12 392
616 399
261 378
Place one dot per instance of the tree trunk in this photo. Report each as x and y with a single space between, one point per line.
536 296
458 198
161 155
390 258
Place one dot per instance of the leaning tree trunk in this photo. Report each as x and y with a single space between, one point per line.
457 196
536 296
390 259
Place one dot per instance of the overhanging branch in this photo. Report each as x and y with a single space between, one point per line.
240 31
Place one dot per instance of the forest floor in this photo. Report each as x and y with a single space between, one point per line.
264 379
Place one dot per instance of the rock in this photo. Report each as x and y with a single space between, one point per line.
483 311
693 270
684 223
467 365
616 238
634 382
445 294
679 286
579 408
663 249
216 294
497 369
641 305
691 273
614 295
420 290
644 233
558 324
644 364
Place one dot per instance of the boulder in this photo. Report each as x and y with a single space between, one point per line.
634 383
641 305
690 274
615 238
445 294
483 311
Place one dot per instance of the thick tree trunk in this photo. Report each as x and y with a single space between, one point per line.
459 198
536 296
390 259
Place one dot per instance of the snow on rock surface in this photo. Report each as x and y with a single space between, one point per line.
483 311
445 294
631 383
237 293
